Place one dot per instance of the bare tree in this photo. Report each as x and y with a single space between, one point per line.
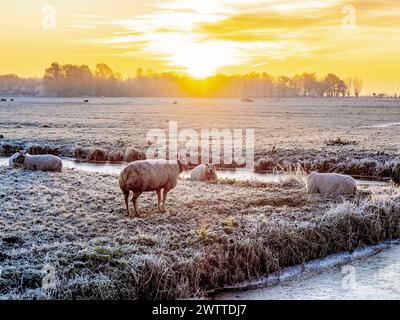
357 86
334 85
349 85
310 83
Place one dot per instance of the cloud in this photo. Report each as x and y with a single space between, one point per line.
244 32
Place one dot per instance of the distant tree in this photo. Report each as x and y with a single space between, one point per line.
53 79
296 86
332 82
105 79
118 76
349 85
68 80
12 84
54 72
79 80
310 84
267 83
282 86
139 72
322 88
357 86
335 86
341 88
103 72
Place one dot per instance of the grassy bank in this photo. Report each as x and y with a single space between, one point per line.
371 167
212 234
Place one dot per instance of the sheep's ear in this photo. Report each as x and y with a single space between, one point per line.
181 165
215 166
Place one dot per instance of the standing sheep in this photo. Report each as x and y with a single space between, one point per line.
46 162
149 175
331 183
204 172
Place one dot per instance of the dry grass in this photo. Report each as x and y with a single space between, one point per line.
291 176
384 168
213 234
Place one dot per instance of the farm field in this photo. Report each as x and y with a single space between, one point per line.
213 234
289 124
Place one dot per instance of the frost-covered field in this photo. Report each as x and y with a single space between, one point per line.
212 234
289 124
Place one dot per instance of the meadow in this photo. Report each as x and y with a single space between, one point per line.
213 234
296 125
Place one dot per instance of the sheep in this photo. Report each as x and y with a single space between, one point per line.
204 172
46 162
331 183
149 175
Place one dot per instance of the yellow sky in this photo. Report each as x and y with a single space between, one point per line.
202 37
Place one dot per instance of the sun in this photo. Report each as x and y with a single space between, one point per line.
201 71
202 60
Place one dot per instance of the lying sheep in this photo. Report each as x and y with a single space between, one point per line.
46 162
204 172
149 175
331 183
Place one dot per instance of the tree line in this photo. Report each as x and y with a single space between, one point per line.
11 84
79 80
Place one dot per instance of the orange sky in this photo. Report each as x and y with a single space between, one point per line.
202 37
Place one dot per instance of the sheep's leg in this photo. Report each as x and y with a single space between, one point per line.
158 199
166 190
134 201
126 197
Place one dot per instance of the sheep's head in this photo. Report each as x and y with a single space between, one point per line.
211 170
17 159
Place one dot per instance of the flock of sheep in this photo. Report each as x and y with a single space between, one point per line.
162 176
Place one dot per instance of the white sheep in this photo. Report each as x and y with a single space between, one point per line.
204 172
149 175
26 161
331 183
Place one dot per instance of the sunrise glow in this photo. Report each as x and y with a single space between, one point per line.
206 37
